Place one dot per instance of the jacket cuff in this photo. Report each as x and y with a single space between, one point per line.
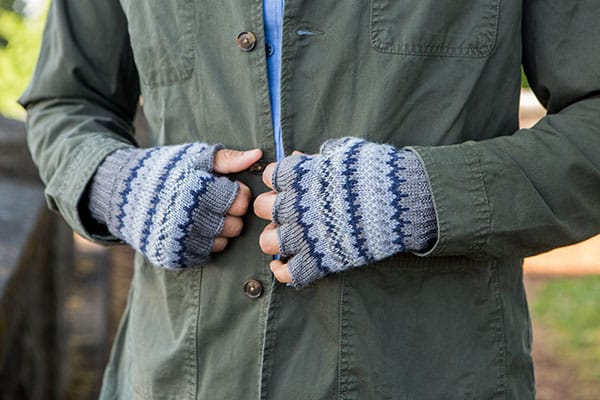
459 197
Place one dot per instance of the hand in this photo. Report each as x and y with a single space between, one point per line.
269 240
171 202
229 162
355 203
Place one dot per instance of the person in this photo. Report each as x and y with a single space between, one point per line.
398 229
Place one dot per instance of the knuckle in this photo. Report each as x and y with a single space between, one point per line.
245 190
222 158
226 154
219 155
240 205
237 227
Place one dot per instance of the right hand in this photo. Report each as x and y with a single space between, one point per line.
173 203
226 162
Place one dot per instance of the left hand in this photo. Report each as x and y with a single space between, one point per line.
268 240
354 203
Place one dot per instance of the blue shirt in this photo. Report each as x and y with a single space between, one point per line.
273 18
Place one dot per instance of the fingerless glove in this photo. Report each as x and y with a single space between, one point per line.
164 201
355 203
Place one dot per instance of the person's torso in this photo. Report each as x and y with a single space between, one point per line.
402 72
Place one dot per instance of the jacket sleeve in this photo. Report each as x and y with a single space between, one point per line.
539 188
80 103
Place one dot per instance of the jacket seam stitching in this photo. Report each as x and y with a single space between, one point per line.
484 208
501 334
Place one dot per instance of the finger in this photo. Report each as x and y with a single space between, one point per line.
219 244
281 271
232 227
268 175
263 205
240 205
227 161
297 153
268 240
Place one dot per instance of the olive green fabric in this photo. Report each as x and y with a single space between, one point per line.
440 76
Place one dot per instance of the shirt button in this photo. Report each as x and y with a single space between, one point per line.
258 167
246 41
269 50
253 288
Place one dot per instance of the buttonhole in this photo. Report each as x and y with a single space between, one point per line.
308 32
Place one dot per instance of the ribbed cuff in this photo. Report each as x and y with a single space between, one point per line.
104 184
418 204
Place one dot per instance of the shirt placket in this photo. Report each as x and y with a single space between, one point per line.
273 23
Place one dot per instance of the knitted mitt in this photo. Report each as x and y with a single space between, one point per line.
163 201
355 203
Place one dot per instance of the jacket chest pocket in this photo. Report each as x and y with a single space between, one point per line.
162 39
439 28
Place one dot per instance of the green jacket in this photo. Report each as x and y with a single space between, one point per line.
441 76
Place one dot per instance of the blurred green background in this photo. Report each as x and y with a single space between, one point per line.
569 309
21 25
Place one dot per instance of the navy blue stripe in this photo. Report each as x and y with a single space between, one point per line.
301 210
328 221
156 197
397 196
165 218
351 197
189 210
125 193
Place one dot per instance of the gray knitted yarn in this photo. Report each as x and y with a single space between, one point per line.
163 201
355 203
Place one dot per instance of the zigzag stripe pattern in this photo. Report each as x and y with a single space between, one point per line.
157 192
161 231
186 226
123 194
396 168
161 201
355 203
350 173
327 207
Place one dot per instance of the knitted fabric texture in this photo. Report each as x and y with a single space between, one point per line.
163 201
355 203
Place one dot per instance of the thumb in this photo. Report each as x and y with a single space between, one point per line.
228 161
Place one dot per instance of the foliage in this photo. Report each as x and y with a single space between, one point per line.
7 4
17 58
571 306
524 82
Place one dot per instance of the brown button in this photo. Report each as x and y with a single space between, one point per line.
253 288
246 41
259 167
